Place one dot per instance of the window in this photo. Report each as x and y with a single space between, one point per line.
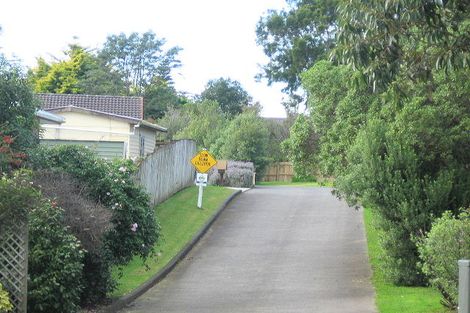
142 146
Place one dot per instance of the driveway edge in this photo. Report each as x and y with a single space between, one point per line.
125 300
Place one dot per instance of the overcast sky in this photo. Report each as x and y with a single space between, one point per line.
217 36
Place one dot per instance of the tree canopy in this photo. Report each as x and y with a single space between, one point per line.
228 93
295 38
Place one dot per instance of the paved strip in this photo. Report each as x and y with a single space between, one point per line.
274 249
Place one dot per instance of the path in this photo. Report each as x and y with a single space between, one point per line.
274 249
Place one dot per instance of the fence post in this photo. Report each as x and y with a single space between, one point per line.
464 286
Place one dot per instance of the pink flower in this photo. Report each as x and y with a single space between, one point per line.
134 227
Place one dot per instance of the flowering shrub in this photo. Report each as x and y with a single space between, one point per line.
134 228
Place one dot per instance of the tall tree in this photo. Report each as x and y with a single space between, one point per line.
384 38
160 96
230 95
139 58
81 72
295 38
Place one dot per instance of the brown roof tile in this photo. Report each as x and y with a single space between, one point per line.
124 106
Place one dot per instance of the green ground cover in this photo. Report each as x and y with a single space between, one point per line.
180 220
391 298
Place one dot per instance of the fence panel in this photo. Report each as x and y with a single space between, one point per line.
282 171
14 262
167 170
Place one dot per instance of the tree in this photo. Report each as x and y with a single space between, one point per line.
301 147
82 72
295 38
230 95
139 58
384 38
279 130
159 97
244 139
205 124
18 120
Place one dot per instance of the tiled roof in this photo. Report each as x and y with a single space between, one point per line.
124 106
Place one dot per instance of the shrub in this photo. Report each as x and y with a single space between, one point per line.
5 304
446 243
239 174
112 185
55 262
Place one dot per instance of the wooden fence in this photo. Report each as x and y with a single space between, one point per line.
282 171
14 262
167 170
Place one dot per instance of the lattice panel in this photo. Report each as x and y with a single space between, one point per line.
14 263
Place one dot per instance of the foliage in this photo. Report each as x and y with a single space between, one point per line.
244 139
5 304
384 38
390 298
134 228
295 38
160 96
279 130
446 243
206 122
407 163
301 147
338 110
82 72
174 120
17 197
8 158
17 108
55 262
139 58
229 94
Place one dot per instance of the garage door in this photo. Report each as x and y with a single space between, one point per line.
105 149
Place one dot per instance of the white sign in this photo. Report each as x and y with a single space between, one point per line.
201 178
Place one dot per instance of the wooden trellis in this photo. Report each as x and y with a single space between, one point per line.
14 262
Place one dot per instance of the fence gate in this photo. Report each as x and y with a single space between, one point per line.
281 171
14 262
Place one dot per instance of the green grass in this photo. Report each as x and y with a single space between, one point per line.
180 220
391 298
300 184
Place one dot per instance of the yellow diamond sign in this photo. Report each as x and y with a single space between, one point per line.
203 161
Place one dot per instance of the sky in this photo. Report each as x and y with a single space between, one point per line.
217 36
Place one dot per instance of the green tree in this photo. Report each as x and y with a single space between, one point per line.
17 107
384 38
139 58
244 139
230 95
295 38
82 72
410 163
160 96
301 147
279 130
206 123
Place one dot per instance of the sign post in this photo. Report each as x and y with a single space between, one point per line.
203 161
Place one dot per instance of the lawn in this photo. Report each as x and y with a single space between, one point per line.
300 184
180 220
391 298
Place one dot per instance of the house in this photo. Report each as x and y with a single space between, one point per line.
113 126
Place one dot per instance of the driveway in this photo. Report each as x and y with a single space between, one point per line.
274 249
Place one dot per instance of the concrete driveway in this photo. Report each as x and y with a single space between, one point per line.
274 249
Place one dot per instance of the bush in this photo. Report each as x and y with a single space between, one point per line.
446 243
239 174
112 185
5 304
55 262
